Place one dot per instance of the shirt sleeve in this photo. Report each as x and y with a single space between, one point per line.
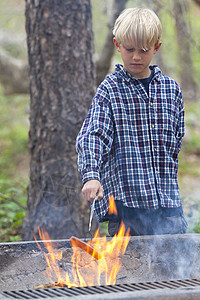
180 132
95 138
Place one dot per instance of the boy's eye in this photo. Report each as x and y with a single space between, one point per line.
130 49
141 50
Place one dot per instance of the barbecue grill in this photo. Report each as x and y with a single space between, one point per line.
153 267
177 289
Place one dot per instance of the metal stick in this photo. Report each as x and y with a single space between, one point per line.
92 212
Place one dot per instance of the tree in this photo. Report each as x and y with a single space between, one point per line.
13 71
188 84
103 62
197 2
157 6
62 81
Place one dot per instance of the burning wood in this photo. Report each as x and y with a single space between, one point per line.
86 247
100 267
45 286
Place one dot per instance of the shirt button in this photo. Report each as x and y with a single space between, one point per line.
157 172
153 126
151 103
155 149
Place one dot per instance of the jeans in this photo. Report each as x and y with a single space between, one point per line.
150 224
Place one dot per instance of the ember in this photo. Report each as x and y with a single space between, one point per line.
93 263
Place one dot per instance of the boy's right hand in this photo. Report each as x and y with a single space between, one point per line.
92 189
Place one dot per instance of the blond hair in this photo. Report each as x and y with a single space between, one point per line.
138 26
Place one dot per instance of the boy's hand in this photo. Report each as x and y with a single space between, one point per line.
92 189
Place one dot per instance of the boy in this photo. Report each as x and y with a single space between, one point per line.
129 143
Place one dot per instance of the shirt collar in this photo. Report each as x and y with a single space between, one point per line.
119 70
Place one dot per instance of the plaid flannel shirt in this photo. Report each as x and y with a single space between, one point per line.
130 141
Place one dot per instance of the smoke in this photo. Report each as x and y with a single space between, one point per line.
162 257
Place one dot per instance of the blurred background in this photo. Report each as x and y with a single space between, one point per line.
179 58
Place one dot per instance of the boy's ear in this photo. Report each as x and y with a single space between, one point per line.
157 47
117 46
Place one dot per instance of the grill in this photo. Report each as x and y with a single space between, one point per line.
153 267
148 290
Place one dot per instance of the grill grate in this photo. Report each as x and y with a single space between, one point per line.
93 290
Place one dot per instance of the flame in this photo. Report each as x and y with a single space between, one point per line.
112 206
86 270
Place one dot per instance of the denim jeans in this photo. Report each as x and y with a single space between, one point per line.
150 224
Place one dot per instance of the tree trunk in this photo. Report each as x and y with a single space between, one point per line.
103 63
188 84
197 2
62 81
158 59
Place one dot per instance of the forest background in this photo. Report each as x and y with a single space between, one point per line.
14 110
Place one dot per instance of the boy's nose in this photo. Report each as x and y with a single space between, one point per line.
136 56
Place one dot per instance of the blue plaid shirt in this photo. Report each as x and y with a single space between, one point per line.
130 141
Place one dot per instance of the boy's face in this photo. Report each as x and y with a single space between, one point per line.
136 61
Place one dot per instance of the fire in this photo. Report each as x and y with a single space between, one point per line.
96 262
112 206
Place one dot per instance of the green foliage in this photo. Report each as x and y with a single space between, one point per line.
99 23
192 138
194 22
13 133
103 229
12 209
169 46
191 142
12 15
197 227
13 157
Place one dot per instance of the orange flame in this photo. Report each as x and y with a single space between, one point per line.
86 269
112 206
